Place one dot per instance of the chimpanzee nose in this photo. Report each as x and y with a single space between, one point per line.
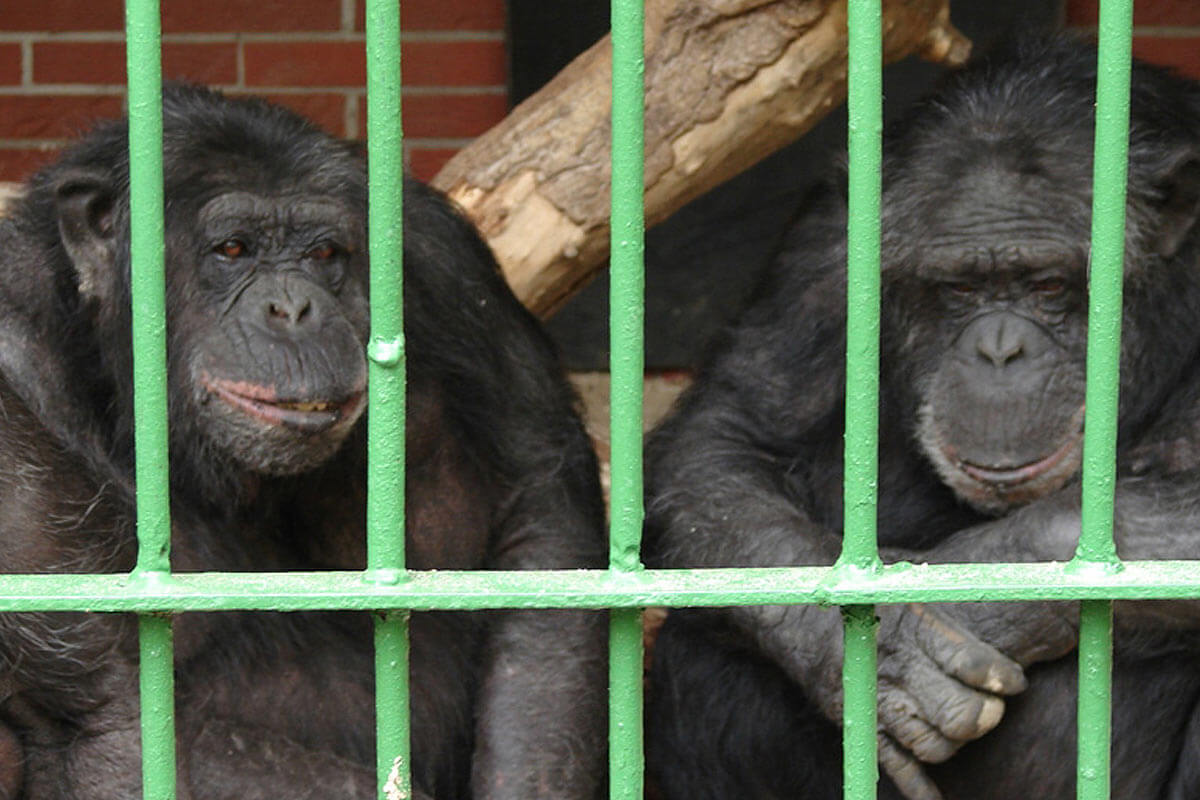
290 307
289 311
1001 339
1000 342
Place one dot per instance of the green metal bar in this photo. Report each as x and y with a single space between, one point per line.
859 763
1096 546
148 283
391 704
626 763
1105 281
865 106
148 289
386 391
860 552
157 684
628 286
464 591
1095 699
386 371
627 326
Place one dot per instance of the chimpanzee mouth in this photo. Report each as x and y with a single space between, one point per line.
1068 451
1022 474
306 416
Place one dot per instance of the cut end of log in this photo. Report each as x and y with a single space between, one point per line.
945 44
8 193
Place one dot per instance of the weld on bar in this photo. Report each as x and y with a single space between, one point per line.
626 353
1096 547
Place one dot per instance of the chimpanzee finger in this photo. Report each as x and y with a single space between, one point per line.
901 717
906 772
959 712
959 654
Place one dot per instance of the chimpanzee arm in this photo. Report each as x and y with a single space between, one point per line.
540 719
540 727
1156 518
234 761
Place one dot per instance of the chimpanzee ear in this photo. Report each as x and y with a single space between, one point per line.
85 201
1179 208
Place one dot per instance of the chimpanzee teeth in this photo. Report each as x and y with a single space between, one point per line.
305 406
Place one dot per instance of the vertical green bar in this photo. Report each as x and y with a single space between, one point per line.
1095 699
627 284
148 283
144 71
859 760
865 105
1105 281
391 705
859 548
1103 363
386 400
157 683
627 368
386 388
626 765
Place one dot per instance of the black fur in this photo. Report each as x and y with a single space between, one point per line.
266 289
986 218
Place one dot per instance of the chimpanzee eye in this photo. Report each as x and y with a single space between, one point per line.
323 251
960 289
231 248
1049 287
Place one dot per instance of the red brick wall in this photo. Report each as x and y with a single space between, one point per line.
62 65
1165 31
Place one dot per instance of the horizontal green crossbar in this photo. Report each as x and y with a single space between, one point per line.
453 590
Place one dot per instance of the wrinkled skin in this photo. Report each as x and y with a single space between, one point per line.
986 219
267 326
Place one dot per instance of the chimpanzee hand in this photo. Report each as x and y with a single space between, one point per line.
939 687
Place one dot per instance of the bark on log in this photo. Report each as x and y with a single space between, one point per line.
728 82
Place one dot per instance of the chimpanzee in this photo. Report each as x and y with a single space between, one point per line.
267 325
986 218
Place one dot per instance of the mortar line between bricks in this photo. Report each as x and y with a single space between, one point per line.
26 63
94 37
465 91
63 89
33 144
1158 31
113 89
435 143
239 62
351 116
357 36
1168 31
229 37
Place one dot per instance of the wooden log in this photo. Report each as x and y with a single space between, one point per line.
728 82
